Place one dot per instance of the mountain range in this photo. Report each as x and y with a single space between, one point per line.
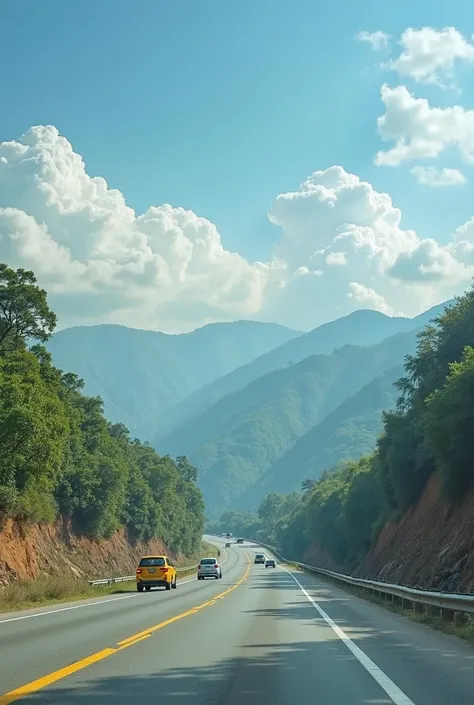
257 407
363 327
141 374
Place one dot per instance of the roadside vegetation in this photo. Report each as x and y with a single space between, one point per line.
60 455
429 431
52 589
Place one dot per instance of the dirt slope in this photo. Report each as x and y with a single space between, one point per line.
32 550
431 546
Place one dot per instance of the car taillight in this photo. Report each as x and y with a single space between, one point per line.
216 566
139 570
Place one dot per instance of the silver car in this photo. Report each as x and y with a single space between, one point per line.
209 568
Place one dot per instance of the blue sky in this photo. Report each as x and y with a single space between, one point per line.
219 107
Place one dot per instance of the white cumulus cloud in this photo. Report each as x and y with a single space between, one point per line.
334 212
421 131
378 40
164 268
429 262
369 298
335 218
430 176
340 245
337 259
429 54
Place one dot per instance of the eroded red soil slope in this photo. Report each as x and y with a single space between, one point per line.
32 550
431 546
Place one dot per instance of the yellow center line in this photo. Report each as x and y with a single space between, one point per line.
40 683
43 682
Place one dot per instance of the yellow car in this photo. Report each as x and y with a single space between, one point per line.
155 571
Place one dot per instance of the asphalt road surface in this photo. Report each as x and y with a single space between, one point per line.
258 636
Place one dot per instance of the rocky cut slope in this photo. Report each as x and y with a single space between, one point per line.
28 551
432 545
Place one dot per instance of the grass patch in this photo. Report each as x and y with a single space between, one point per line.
53 589
48 589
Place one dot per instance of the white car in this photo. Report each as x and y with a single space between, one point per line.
270 563
209 568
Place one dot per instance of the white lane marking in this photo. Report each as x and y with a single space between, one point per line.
88 604
393 691
78 607
226 556
65 609
218 547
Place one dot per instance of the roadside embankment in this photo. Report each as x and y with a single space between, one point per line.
42 563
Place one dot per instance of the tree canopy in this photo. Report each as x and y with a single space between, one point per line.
59 454
24 311
429 432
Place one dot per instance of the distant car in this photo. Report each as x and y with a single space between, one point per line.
240 540
227 545
155 571
209 568
259 558
270 563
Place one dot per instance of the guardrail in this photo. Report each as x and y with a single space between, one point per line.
125 578
448 605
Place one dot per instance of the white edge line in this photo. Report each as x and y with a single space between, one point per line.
88 604
393 691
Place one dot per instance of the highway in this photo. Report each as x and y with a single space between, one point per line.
258 636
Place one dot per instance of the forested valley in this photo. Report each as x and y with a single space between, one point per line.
428 434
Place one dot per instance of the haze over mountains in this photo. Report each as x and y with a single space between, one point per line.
257 407
141 374
363 327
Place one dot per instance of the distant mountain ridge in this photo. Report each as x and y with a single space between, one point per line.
246 435
239 439
363 327
140 374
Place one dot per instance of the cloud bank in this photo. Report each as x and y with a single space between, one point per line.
339 243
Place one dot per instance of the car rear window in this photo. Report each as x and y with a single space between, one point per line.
259 555
208 561
145 562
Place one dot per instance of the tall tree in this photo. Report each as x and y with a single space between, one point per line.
24 311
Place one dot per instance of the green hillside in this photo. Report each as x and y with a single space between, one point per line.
338 519
62 457
247 431
350 431
235 442
140 374
363 327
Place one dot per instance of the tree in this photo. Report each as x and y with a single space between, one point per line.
59 454
449 427
33 433
24 311
307 485
270 511
188 472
